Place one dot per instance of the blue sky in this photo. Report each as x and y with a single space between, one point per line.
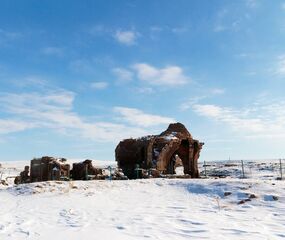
76 77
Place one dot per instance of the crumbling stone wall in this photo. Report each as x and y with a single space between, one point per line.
49 168
160 152
83 170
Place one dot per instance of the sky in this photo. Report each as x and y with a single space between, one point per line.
76 77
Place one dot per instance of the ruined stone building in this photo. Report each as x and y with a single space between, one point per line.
84 170
49 168
162 152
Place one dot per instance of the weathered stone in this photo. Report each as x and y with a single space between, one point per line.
164 152
4 183
44 169
275 198
49 168
244 201
85 170
227 193
251 195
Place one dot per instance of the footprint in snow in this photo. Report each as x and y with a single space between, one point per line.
71 218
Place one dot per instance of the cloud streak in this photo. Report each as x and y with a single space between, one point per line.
126 37
123 75
257 121
281 65
169 76
53 51
137 117
54 110
99 85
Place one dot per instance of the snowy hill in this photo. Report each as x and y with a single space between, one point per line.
227 208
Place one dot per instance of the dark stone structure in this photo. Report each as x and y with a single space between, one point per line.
161 152
85 170
49 168
24 176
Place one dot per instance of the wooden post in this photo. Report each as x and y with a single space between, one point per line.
110 170
205 169
242 167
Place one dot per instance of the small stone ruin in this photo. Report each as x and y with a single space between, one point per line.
86 171
44 169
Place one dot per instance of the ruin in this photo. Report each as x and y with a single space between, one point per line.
144 157
85 171
49 168
160 154
24 176
44 169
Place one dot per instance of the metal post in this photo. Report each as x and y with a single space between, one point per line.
110 169
242 166
137 170
280 161
205 169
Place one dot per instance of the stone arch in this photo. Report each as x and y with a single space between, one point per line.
166 153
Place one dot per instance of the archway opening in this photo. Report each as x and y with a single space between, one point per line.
180 158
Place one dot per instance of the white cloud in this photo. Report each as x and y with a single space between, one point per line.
54 110
281 65
219 25
168 76
179 29
206 93
123 75
236 119
8 36
10 125
126 37
217 91
261 120
219 28
252 3
99 85
189 103
29 81
156 29
242 55
137 117
53 51
145 90
227 20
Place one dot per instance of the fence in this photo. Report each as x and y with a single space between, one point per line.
264 169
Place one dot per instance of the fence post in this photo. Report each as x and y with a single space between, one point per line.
205 169
242 167
280 161
110 170
137 170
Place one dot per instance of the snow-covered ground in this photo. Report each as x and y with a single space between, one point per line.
143 209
